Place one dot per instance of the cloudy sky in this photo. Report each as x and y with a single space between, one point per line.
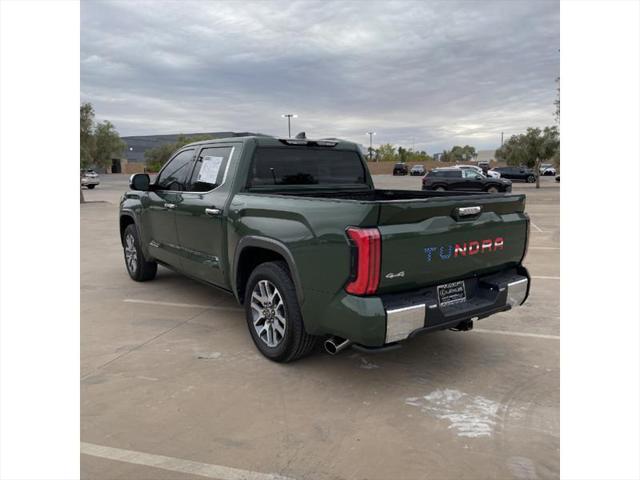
429 74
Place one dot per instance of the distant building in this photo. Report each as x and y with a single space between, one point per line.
133 160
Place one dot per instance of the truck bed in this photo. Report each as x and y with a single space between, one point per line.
425 240
371 195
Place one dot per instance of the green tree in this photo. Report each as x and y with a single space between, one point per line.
531 148
417 156
402 155
460 154
155 158
108 144
387 153
87 140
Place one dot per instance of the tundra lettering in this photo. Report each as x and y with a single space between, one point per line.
296 231
461 249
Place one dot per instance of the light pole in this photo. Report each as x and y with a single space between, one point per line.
371 134
289 116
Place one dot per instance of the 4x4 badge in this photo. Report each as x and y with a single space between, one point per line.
394 275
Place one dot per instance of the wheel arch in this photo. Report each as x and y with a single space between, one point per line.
254 250
126 219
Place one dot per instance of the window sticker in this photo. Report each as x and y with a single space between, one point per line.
209 169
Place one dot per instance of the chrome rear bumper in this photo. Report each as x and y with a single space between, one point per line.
420 311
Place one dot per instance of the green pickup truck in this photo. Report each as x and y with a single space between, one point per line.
297 232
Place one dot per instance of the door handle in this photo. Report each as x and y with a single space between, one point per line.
212 212
170 206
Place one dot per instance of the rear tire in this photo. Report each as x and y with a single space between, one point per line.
440 189
139 268
273 314
91 187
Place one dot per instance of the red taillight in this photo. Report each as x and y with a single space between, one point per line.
367 260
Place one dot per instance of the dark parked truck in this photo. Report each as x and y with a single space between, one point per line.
297 232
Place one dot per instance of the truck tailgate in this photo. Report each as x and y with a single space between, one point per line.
431 241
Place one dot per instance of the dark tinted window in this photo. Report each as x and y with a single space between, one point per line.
305 166
176 172
209 169
446 173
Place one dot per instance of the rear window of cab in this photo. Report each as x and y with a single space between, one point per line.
305 166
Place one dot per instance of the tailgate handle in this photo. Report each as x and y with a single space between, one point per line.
468 211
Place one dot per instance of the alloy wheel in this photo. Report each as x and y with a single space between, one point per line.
268 312
131 253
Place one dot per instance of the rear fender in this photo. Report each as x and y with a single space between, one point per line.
272 245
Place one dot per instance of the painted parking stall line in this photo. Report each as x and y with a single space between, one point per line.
172 464
517 334
536 227
180 305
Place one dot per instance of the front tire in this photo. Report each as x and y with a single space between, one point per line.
273 314
492 189
439 189
91 187
531 179
139 268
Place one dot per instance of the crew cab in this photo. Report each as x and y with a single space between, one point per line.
297 232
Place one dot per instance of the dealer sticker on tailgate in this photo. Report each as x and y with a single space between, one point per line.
451 293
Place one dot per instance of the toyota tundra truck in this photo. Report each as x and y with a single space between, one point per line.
295 229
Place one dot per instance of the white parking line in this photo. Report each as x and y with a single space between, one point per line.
542 277
536 227
172 464
517 334
182 305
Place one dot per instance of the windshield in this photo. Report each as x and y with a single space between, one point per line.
306 166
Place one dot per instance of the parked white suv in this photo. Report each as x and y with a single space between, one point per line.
547 169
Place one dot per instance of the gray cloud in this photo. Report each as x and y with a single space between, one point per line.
431 74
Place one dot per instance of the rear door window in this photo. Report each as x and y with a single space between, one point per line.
305 166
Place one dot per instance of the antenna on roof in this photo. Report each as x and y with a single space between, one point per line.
301 135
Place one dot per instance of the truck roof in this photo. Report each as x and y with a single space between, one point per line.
269 141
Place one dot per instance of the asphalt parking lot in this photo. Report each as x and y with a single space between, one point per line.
173 387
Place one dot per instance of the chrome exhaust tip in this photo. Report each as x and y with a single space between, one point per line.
335 345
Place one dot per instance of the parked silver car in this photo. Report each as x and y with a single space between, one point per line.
89 178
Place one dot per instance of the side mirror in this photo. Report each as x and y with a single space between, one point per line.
139 181
478 177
